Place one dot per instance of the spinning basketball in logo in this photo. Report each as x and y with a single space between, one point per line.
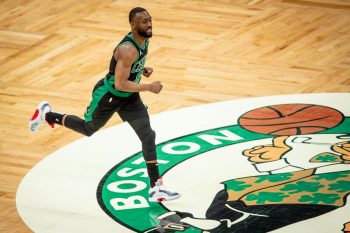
290 119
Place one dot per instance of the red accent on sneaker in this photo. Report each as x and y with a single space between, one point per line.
35 114
161 199
51 124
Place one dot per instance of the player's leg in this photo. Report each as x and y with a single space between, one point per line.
76 123
100 110
135 113
147 137
158 191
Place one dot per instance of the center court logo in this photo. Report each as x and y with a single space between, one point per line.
299 155
240 165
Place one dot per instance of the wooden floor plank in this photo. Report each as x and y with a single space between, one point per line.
202 51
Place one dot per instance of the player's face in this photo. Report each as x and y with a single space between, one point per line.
143 24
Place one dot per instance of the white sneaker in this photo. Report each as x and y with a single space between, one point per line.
38 117
160 193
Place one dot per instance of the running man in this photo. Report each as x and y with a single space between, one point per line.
118 92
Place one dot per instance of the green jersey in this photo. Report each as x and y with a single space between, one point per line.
136 67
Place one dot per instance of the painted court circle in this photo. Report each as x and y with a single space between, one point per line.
234 162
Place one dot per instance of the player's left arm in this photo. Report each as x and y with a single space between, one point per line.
147 71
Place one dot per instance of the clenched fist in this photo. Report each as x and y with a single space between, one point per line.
147 71
155 87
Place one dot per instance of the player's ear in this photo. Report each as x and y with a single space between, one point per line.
132 25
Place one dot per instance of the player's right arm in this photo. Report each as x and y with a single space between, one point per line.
125 56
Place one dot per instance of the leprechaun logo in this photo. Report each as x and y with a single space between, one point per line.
276 166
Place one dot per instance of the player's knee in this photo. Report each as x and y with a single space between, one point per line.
90 133
149 138
90 129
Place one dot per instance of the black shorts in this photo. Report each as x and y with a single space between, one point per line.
104 104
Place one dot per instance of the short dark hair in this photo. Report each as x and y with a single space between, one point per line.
134 11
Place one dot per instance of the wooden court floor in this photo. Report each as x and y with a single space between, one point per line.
202 52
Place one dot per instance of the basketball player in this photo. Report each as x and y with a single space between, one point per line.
119 92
